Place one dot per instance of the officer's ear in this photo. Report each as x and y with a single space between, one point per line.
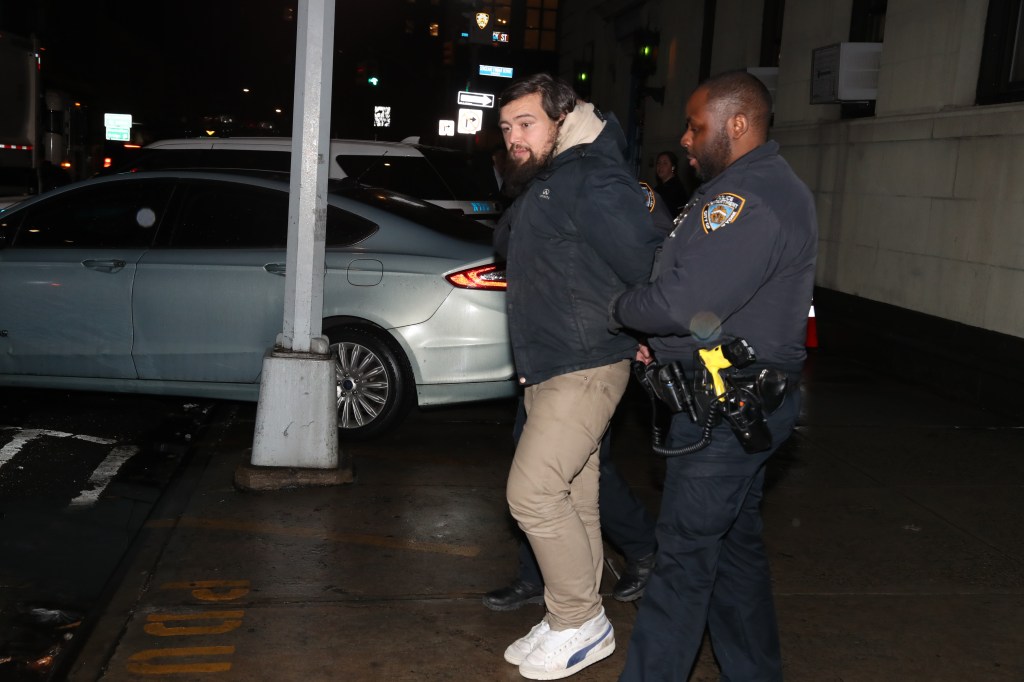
738 125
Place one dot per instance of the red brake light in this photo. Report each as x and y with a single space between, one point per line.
484 277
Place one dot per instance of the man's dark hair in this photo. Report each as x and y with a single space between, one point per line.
557 97
734 92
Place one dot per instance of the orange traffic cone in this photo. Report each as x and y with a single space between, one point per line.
812 329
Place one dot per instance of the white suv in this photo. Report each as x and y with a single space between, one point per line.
444 177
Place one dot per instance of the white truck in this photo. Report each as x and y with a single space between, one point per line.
42 132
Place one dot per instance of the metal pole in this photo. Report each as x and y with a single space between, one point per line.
296 417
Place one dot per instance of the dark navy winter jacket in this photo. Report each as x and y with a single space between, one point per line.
578 236
741 264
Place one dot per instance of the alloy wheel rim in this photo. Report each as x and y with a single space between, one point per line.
362 384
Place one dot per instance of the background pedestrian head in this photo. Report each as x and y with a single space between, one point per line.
665 165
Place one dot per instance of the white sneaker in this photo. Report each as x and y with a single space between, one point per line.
518 650
560 653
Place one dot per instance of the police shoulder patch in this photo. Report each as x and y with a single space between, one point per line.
649 197
721 210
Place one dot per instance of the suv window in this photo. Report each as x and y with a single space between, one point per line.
248 158
112 215
232 215
410 175
163 159
467 178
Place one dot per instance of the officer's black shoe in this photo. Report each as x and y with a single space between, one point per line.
631 584
515 595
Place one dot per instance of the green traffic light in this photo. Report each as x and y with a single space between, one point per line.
646 50
373 80
583 76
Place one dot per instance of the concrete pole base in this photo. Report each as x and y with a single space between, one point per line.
248 477
297 417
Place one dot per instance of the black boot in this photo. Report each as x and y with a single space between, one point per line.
631 584
515 595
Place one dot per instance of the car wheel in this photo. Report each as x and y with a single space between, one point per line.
373 382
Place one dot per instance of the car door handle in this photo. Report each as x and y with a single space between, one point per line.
104 265
276 268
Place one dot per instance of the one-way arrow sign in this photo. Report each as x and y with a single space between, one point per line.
476 99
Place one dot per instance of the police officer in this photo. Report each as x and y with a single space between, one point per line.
739 264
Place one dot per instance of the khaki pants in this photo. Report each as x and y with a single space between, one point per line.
552 486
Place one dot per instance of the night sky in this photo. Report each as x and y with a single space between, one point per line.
171 63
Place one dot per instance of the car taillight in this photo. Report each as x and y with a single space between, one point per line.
484 277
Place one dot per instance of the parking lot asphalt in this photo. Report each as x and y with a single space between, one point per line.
894 524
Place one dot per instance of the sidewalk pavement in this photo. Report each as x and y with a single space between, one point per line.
893 522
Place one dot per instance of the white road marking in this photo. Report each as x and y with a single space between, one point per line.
103 474
25 436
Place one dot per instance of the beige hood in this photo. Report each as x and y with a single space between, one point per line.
581 126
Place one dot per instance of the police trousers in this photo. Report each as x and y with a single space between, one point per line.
712 570
552 486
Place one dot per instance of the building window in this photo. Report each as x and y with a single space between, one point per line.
435 29
771 32
867 21
1001 75
867 25
502 15
541 25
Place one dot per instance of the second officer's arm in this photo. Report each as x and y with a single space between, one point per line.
705 280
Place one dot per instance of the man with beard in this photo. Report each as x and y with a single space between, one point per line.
577 234
739 265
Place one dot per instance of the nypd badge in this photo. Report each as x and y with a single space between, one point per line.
649 198
721 210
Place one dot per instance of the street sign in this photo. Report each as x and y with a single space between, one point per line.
118 127
117 120
499 71
476 99
470 121
446 128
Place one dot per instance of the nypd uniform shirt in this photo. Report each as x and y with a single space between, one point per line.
739 263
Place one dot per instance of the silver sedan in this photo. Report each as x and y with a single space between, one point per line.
173 283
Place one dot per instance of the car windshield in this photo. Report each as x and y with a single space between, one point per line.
432 217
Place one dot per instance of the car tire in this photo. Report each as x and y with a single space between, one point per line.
374 381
